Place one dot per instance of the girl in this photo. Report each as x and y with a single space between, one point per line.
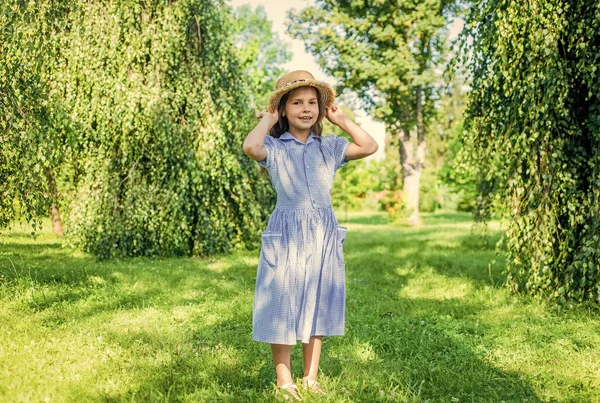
300 284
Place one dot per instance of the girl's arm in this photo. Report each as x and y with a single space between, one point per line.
363 144
254 145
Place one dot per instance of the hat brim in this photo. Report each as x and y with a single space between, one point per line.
326 94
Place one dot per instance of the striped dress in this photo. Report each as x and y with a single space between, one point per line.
300 283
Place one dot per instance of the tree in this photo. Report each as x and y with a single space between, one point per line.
260 50
533 133
145 106
385 51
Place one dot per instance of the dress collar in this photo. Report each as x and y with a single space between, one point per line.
288 136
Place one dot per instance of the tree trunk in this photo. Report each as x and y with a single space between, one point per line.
420 157
411 172
57 226
412 163
56 221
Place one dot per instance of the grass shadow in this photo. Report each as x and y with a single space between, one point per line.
180 329
446 250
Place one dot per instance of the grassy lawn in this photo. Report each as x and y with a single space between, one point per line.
427 320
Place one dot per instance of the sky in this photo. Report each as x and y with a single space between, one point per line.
302 60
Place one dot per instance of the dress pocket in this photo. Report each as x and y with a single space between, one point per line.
267 295
269 253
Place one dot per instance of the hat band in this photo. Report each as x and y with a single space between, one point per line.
296 81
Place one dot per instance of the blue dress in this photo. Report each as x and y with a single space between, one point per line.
300 283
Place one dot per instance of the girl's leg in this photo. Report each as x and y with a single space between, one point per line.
282 359
311 354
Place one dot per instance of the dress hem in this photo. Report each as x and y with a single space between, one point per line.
288 344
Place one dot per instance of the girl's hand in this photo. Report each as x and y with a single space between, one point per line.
272 118
335 115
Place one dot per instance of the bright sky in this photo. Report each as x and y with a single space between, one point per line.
302 60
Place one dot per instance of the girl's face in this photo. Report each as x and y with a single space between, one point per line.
302 109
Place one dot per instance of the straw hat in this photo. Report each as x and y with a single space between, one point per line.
297 79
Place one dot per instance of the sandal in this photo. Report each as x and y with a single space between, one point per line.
288 391
313 386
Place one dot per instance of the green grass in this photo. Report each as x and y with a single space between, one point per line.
427 320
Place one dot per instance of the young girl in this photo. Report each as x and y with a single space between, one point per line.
300 284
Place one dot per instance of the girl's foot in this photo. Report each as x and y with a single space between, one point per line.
312 386
288 391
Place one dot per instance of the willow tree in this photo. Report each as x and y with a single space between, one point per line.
31 133
533 132
386 52
139 110
160 104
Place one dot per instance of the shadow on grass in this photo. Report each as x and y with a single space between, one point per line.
448 254
428 346
416 347
216 362
428 358
52 279
424 347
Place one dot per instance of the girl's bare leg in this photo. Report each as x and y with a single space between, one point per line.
282 360
311 354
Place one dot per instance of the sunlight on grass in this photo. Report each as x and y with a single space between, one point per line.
360 352
434 286
131 321
428 319
217 266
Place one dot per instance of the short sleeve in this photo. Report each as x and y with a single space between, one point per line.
337 147
269 162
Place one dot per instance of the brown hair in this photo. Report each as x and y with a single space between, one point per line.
283 125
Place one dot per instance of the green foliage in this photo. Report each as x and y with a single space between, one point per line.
457 174
142 113
31 131
430 198
454 184
534 135
160 103
381 50
261 51
352 181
